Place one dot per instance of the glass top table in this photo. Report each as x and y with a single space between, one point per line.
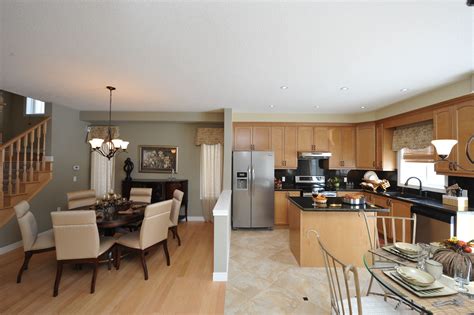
424 305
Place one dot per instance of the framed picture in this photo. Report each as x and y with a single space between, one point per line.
158 158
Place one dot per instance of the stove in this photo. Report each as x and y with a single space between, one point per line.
310 184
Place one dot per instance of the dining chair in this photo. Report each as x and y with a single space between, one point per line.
33 243
175 207
140 194
81 199
154 232
346 298
389 226
78 242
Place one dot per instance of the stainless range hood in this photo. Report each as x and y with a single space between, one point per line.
314 155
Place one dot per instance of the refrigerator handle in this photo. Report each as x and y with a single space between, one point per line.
249 179
253 178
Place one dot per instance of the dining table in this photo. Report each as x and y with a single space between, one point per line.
452 303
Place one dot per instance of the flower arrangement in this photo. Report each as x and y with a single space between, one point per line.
458 245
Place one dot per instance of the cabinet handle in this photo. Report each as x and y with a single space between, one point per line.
284 163
373 163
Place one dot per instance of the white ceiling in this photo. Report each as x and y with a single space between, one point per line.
202 56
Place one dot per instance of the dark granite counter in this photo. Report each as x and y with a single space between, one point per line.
333 204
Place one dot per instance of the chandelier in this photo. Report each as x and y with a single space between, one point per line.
108 146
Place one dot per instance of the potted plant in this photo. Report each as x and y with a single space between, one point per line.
334 182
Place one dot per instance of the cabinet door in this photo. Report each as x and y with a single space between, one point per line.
366 146
402 209
348 147
281 207
335 147
321 139
261 138
305 139
278 146
464 125
383 202
291 153
444 129
385 157
378 146
242 138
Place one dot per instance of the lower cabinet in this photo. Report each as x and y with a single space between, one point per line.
281 205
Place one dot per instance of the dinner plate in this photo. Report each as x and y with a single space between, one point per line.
371 175
407 248
415 276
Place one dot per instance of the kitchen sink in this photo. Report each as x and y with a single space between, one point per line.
401 195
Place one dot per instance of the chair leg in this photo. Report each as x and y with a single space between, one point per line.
165 248
177 235
109 259
173 232
117 257
94 275
370 285
24 266
59 272
145 270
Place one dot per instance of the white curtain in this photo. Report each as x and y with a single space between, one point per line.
211 177
102 174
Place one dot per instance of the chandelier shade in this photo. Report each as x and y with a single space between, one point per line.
109 146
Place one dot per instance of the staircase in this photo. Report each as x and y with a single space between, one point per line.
23 169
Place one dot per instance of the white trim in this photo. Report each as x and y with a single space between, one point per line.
219 276
222 207
9 248
196 218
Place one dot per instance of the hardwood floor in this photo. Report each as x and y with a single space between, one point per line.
184 287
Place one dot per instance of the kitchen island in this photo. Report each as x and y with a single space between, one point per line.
341 227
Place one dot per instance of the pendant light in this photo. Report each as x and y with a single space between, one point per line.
108 146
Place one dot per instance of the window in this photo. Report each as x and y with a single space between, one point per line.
423 170
34 107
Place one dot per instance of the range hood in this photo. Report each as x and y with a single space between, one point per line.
314 155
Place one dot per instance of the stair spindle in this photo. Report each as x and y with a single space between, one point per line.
25 158
43 162
38 147
2 160
17 145
10 168
31 136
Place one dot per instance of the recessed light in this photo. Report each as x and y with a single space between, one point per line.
272 106
283 87
362 107
344 88
316 106
404 90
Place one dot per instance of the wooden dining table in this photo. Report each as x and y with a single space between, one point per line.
424 305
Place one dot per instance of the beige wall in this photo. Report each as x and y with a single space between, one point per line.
162 133
68 148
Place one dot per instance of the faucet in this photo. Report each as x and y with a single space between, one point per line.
419 180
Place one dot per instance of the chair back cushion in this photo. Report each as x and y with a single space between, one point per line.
155 223
27 223
75 234
140 194
81 199
176 206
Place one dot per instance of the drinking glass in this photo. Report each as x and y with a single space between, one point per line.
462 274
314 194
424 254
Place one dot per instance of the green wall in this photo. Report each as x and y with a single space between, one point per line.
164 133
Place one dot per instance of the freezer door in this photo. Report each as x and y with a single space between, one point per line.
241 189
262 189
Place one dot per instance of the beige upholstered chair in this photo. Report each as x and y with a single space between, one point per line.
33 242
81 199
339 279
140 194
77 242
175 207
154 231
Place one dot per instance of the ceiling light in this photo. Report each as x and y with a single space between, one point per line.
404 90
272 106
344 88
362 107
283 87
317 106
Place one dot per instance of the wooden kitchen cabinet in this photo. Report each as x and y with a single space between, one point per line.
401 209
385 157
313 139
342 147
443 125
365 148
284 147
281 205
256 138
305 139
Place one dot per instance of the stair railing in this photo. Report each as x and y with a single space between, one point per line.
20 157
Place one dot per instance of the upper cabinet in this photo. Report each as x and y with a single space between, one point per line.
342 147
256 138
313 139
385 157
365 146
284 147
456 122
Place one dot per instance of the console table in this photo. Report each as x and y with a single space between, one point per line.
162 189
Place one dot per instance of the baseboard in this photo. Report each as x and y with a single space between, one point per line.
219 276
9 248
196 218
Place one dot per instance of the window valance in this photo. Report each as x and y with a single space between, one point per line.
102 132
416 136
209 136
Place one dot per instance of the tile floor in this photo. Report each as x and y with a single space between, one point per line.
264 277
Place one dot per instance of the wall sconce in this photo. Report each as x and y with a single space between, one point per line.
443 149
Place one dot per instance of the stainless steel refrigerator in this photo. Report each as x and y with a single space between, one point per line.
252 189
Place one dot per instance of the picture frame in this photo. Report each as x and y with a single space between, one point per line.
158 158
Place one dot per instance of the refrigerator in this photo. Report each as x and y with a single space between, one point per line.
252 189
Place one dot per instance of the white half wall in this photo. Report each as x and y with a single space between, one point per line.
222 231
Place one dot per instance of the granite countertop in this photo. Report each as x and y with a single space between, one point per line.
306 204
